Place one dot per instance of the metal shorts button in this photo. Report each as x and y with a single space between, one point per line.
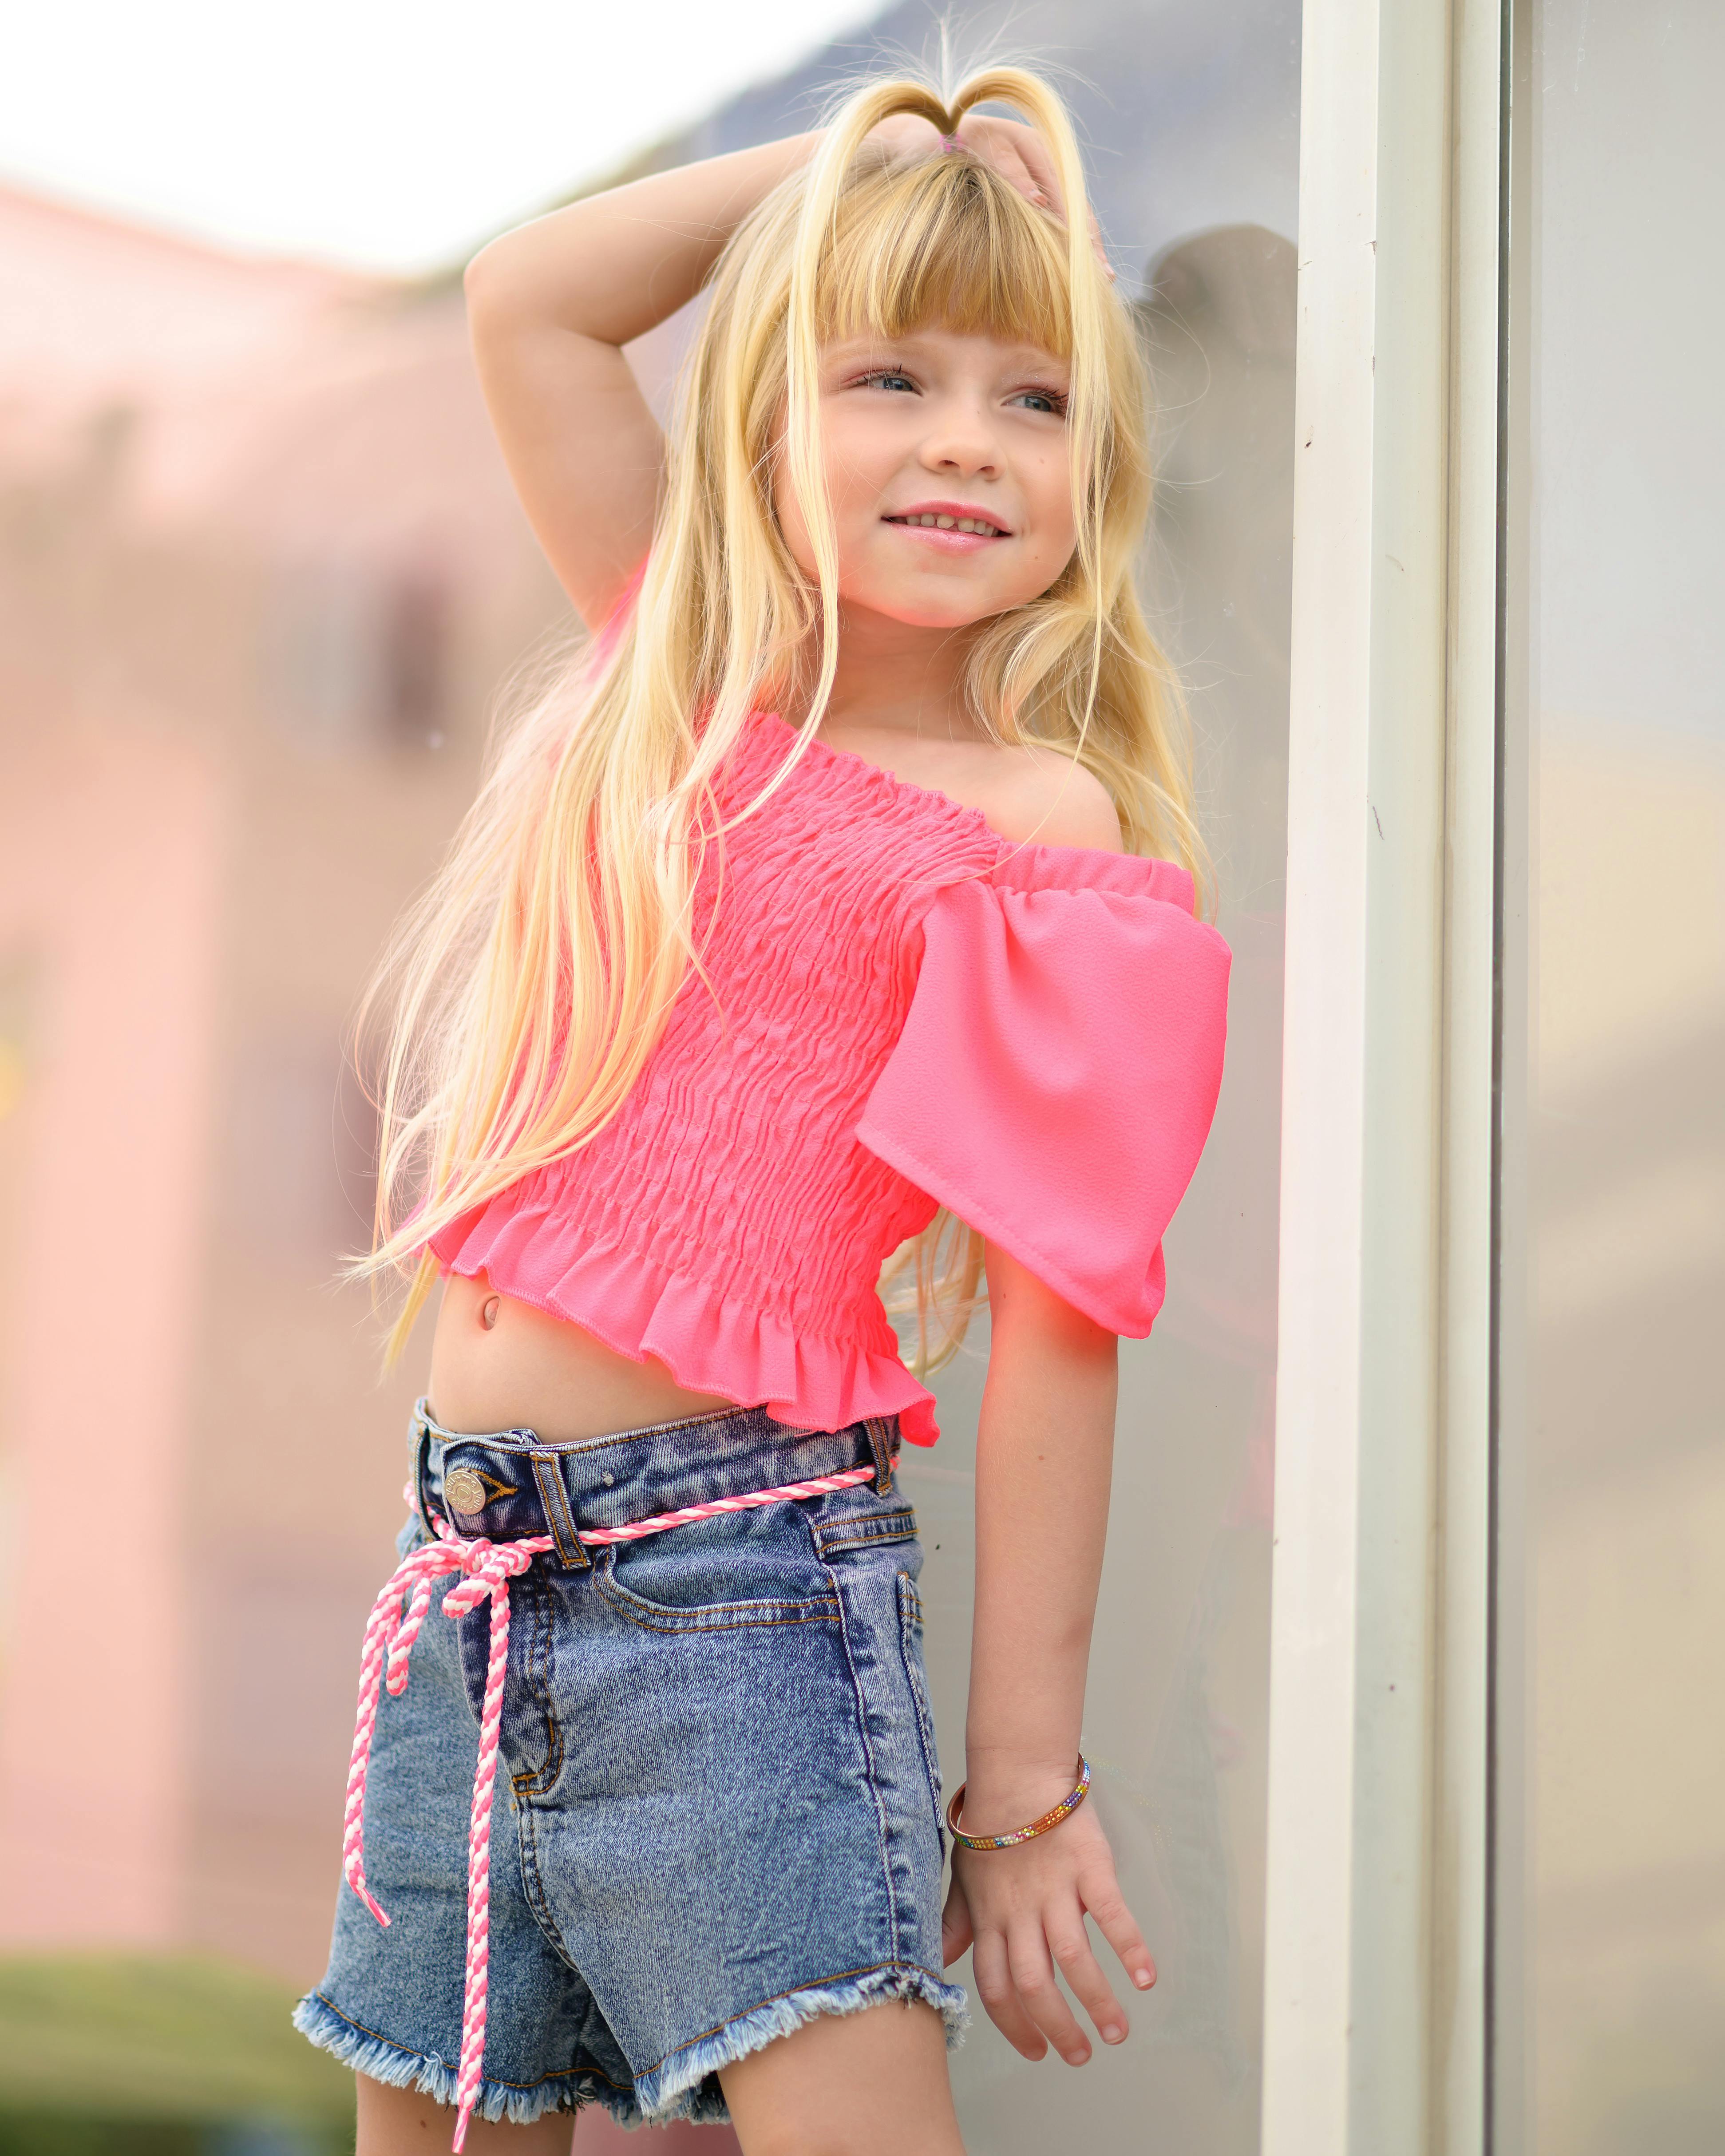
464 1491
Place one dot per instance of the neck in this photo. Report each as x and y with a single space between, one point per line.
899 678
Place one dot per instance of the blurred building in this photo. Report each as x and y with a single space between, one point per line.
262 570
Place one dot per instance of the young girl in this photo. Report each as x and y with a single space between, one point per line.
816 917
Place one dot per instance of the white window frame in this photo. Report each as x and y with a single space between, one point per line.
1377 1966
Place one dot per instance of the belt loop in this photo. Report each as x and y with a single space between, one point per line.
882 1445
548 1474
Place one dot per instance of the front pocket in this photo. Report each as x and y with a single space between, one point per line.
909 1640
655 1616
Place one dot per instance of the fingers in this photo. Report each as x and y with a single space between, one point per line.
1021 157
1107 1904
1017 152
1069 1945
998 1993
1015 1979
1027 1920
1033 1979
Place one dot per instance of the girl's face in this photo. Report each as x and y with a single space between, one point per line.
922 437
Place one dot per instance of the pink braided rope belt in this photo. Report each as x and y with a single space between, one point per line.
487 1568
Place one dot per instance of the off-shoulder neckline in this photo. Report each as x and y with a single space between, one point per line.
891 778
961 810
1084 866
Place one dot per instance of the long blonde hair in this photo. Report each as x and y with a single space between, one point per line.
528 987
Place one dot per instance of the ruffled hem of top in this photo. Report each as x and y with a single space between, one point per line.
708 1342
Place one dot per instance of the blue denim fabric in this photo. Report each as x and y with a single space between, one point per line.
718 1803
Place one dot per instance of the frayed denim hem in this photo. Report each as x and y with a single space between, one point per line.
380 2061
675 2089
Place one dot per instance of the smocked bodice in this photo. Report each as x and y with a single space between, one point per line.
790 1128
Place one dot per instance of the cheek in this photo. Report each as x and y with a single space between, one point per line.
1051 485
1056 529
859 467
856 473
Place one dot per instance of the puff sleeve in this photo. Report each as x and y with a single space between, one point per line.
1058 1068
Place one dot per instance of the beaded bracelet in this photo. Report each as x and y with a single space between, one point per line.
1064 1810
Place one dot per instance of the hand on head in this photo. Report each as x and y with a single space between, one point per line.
1010 147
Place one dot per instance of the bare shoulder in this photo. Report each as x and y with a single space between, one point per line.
1044 797
1024 793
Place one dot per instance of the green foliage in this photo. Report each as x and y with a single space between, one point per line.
105 2055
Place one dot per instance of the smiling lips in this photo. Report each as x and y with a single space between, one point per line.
955 524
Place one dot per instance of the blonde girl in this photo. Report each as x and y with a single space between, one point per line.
835 913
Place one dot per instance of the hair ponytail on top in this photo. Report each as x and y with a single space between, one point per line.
526 989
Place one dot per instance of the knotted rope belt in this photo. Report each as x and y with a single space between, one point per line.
486 1569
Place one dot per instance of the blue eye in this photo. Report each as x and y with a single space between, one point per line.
887 375
1046 400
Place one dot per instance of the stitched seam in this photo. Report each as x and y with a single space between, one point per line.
497 1489
535 1782
553 1497
820 1984
808 1614
706 1617
862 1729
425 2059
533 1891
859 1534
910 1611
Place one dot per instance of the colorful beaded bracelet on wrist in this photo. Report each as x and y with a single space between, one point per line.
1064 1810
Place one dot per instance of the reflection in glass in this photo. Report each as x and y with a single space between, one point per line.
1613 1591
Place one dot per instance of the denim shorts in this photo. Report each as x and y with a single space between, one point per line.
718 1806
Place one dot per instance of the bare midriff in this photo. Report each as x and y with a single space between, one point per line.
497 1363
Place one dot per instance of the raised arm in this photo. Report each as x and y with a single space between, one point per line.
550 306
1045 1453
553 303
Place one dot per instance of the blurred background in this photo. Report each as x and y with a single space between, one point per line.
1610 1737
262 581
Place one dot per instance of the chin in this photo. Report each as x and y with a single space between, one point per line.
925 609
939 616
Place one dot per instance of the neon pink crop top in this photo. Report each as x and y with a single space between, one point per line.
1038 1049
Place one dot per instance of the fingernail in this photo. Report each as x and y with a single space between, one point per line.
1113 2034
1143 1979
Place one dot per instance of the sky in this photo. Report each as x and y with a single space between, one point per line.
388 134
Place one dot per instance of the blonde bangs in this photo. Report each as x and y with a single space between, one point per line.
945 243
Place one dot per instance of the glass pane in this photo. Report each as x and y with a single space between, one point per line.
1613 1743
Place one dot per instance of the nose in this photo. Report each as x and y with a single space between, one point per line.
961 440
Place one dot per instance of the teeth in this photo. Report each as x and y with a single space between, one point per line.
931 520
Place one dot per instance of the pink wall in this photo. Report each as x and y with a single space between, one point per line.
109 852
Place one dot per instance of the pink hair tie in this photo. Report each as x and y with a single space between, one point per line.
951 142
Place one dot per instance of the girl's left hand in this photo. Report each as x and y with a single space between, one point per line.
1020 155
1022 1910
1013 149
